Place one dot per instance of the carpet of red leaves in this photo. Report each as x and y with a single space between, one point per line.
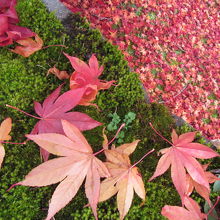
173 45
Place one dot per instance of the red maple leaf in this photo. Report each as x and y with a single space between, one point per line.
9 31
86 76
55 107
182 156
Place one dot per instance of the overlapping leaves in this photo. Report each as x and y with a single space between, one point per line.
181 157
124 180
76 163
86 76
54 109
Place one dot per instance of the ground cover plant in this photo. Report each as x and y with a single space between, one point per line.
125 96
174 46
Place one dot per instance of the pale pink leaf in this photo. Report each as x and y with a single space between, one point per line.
2 154
74 134
92 187
57 144
198 150
138 183
124 196
178 173
66 191
186 138
49 172
162 166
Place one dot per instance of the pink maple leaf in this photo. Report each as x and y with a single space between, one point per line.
203 191
192 212
76 162
181 157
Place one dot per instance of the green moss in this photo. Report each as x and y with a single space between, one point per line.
23 80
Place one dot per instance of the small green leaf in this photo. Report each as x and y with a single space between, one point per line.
216 186
139 11
206 120
154 72
160 87
212 96
152 15
214 215
204 40
179 52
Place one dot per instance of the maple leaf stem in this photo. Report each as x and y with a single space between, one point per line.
54 46
98 152
122 125
142 158
6 142
134 165
160 134
12 186
23 112
211 209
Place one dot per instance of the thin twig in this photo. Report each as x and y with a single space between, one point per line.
54 46
181 91
101 18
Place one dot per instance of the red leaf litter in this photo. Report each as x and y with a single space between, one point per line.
173 45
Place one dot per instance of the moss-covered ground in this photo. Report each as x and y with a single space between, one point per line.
23 80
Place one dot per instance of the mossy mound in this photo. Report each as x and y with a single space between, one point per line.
23 80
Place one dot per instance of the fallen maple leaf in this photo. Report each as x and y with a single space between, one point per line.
77 161
59 74
125 178
28 46
181 156
9 32
5 128
200 189
86 76
180 213
55 108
